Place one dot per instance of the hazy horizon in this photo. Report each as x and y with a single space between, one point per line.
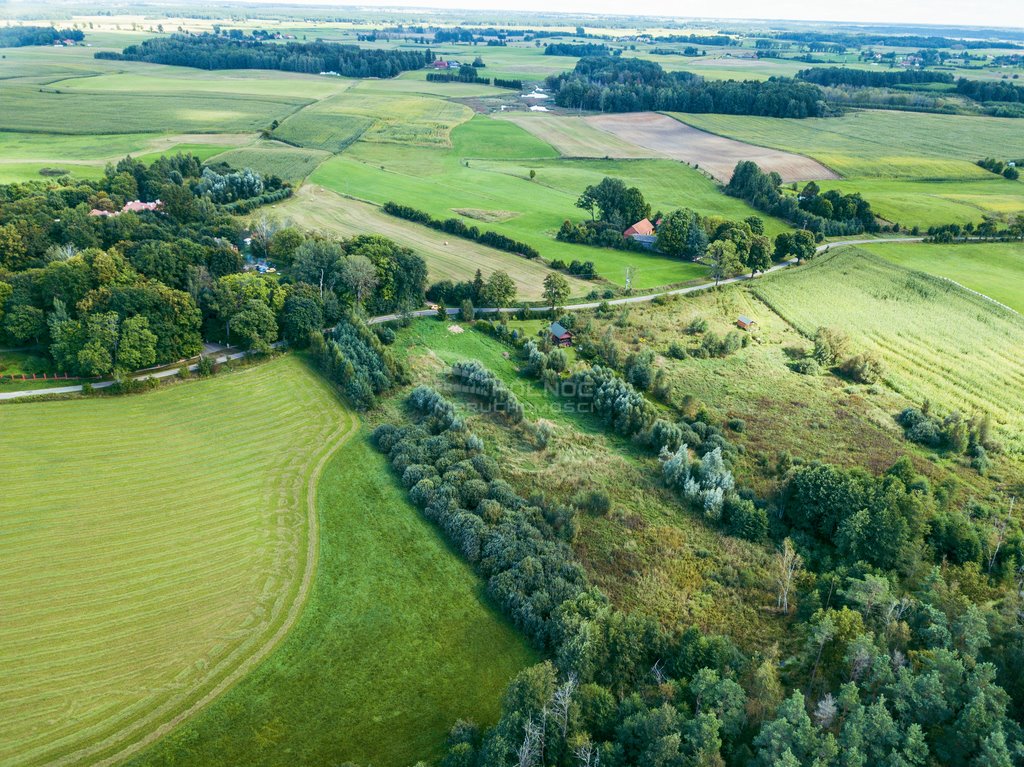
982 13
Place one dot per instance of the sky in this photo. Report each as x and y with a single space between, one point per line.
979 13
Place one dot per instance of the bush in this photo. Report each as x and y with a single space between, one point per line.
205 367
593 501
807 366
697 326
677 351
863 368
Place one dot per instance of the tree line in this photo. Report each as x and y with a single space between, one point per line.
883 671
614 84
16 37
871 78
576 49
207 51
990 90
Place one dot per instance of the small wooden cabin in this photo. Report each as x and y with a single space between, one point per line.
746 323
560 336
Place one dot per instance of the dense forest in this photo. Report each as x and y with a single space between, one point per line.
872 79
15 37
106 287
614 84
206 51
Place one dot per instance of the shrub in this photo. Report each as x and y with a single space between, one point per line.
593 501
677 351
863 368
807 366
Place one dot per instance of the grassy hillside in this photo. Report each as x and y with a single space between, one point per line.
152 544
648 553
938 341
395 644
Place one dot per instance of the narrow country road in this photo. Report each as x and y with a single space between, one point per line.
166 373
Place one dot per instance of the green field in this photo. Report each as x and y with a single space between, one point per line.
395 644
938 341
880 144
481 172
994 269
169 504
274 158
30 110
190 546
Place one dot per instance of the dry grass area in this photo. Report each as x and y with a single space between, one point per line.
487 216
715 154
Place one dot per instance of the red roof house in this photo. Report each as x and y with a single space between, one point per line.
644 228
136 206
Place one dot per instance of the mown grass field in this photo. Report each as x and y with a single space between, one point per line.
152 544
938 341
395 644
994 269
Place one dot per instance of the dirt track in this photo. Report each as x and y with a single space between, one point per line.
715 154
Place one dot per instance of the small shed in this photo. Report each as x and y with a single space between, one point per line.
746 323
560 336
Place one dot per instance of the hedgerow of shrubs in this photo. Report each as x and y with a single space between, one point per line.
484 384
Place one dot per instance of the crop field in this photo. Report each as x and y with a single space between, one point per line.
938 341
994 269
447 257
183 550
29 110
274 158
713 153
881 144
396 642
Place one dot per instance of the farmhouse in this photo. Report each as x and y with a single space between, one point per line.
560 336
644 228
746 323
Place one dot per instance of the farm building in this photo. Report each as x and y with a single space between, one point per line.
747 323
560 336
644 228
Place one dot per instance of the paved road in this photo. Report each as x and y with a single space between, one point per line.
165 373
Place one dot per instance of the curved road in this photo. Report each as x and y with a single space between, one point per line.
171 371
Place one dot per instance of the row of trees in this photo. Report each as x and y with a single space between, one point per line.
206 51
1001 168
615 84
458 228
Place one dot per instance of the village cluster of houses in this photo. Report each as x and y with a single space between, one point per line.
135 206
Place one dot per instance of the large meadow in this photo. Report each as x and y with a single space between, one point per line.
225 571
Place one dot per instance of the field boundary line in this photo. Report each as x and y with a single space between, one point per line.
337 439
